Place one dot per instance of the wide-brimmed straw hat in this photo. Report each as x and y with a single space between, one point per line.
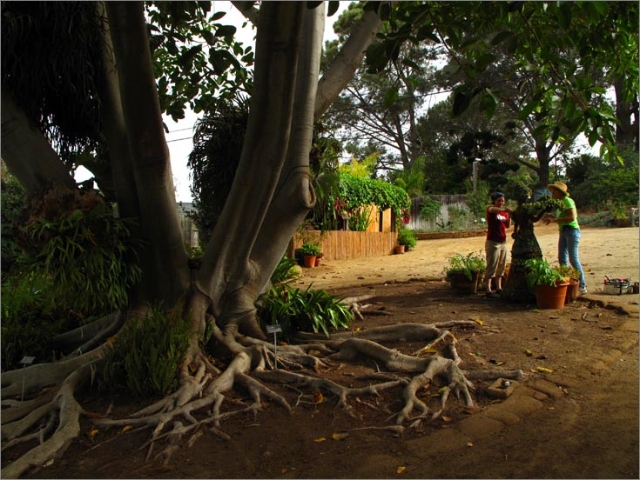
561 187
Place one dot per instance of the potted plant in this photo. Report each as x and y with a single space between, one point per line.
548 282
572 276
465 271
310 252
406 239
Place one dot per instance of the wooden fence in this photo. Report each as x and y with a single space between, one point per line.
341 244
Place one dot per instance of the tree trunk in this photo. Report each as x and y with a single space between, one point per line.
341 69
27 152
542 152
627 129
164 261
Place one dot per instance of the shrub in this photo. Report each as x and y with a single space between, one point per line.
430 209
13 200
458 217
147 353
89 259
27 322
406 237
294 310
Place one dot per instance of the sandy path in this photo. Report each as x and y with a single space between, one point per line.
603 251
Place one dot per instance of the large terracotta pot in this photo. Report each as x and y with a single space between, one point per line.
309 261
551 297
398 249
573 291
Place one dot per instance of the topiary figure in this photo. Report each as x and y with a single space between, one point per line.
525 245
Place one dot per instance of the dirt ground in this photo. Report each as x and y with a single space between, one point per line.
584 426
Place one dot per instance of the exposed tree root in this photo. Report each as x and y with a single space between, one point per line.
69 412
259 368
87 337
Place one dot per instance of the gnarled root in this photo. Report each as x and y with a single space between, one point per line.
69 412
256 365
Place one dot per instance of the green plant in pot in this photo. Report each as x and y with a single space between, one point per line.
407 238
540 272
468 265
464 271
310 251
571 275
548 282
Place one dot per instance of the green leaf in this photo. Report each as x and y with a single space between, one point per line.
225 31
485 60
461 101
503 36
564 15
333 8
186 58
391 97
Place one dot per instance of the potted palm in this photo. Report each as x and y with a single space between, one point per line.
465 272
310 252
548 282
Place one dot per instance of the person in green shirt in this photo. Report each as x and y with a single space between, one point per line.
567 220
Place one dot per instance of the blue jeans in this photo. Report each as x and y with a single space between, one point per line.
568 250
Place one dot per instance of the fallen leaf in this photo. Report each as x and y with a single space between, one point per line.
446 419
92 433
478 321
541 357
192 367
284 470
544 370
469 444
429 350
528 352
111 340
318 397
340 436
126 428
320 440
400 469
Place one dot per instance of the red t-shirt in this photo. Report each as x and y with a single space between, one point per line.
497 226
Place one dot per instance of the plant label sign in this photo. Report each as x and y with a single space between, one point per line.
27 360
274 328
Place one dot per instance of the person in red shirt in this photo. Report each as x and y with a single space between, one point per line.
498 218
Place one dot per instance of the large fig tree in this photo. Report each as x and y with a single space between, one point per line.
99 101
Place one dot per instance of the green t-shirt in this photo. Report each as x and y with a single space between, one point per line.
568 204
